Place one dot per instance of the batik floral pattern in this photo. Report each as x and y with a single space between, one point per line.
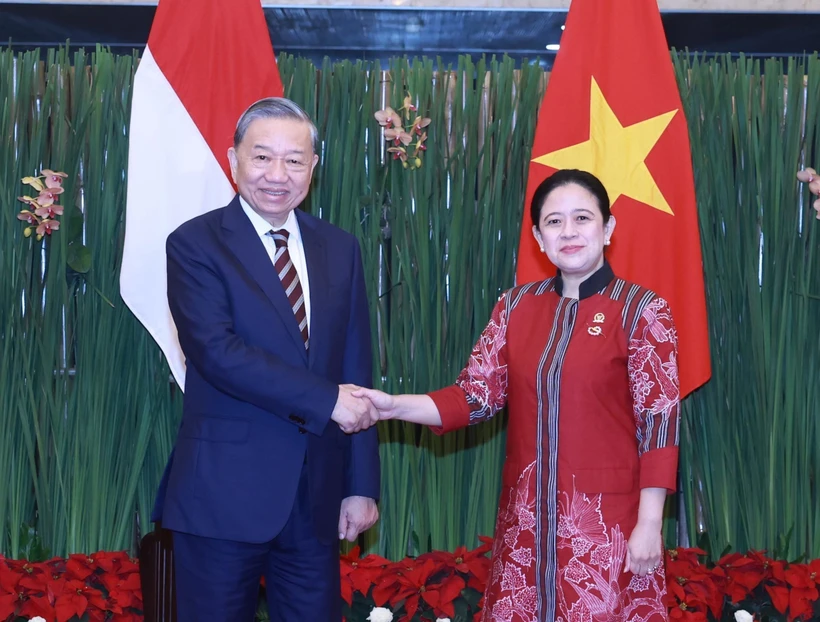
484 378
653 377
511 592
592 583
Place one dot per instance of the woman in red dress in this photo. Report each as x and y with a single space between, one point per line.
586 365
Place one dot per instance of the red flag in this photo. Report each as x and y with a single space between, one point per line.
205 63
613 108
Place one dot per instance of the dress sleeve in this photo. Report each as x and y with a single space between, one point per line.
653 380
480 390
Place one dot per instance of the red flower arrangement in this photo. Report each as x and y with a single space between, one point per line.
740 587
737 588
102 587
438 585
431 586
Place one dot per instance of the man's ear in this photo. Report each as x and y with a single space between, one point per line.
234 162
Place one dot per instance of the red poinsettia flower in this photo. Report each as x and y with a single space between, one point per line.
118 562
687 613
33 606
442 596
80 567
411 583
745 573
10 591
690 556
123 590
780 597
359 574
75 598
475 564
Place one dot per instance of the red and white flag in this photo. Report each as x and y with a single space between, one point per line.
205 63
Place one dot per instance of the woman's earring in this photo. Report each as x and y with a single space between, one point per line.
606 242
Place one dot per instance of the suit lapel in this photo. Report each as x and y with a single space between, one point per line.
243 241
316 258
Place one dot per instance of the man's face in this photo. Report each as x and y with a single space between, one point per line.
272 167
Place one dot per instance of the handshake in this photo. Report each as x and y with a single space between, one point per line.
357 408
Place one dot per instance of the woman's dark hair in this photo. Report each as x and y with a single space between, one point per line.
565 177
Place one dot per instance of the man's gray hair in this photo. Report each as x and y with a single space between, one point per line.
274 108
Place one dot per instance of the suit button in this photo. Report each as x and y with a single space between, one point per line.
302 431
293 418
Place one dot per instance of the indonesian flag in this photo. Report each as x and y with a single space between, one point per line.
613 108
205 63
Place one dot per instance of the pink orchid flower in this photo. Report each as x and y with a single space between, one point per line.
398 136
48 196
53 179
46 227
27 216
399 153
49 211
387 117
418 123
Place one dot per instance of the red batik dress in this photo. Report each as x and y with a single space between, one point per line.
591 387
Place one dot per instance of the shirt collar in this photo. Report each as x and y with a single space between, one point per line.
262 226
593 284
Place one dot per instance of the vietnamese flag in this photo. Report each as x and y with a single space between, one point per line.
613 108
205 63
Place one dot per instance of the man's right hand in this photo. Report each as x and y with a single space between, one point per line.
353 414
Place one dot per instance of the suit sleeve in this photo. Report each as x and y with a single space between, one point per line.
201 310
362 460
653 380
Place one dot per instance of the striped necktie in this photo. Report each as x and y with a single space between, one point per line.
290 280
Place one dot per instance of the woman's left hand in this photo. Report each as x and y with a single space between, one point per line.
644 549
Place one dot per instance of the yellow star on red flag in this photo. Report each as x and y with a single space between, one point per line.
613 107
616 153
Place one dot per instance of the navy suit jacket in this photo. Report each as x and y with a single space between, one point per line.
256 403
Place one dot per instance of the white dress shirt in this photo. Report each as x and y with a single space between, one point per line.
296 249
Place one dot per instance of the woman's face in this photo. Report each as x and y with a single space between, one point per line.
571 231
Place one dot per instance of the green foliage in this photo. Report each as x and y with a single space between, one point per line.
85 392
439 247
751 435
87 409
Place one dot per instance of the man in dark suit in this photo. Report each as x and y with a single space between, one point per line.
272 462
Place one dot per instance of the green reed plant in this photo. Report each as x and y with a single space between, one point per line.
87 408
750 450
437 254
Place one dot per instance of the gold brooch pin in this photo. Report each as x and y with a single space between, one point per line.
599 318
